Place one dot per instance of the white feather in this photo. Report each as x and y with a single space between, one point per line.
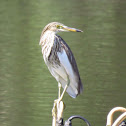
65 63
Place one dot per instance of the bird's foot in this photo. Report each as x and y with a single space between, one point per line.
54 110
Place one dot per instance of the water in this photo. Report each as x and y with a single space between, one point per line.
27 89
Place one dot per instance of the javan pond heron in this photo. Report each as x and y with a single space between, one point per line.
60 60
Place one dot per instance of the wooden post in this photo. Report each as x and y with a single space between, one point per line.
57 113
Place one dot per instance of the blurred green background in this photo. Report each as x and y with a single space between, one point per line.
27 89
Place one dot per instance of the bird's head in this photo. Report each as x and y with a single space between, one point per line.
58 27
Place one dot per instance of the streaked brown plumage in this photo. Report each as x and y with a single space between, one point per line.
59 58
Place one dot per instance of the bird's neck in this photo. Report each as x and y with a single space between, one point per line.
47 37
46 42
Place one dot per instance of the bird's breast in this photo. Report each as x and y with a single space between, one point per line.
49 49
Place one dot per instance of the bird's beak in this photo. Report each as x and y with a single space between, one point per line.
71 29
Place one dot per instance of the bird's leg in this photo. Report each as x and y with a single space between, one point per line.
59 85
57 101
66 86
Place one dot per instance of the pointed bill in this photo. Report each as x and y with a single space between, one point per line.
71 29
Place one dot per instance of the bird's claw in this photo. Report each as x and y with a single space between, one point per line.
54 110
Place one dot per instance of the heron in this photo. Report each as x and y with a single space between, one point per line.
60 60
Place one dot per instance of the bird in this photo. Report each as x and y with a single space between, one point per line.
60 60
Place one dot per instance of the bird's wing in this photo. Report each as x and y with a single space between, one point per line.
65 63
67 60
68 70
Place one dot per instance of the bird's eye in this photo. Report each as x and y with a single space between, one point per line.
59 26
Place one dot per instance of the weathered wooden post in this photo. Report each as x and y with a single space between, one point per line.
57 113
